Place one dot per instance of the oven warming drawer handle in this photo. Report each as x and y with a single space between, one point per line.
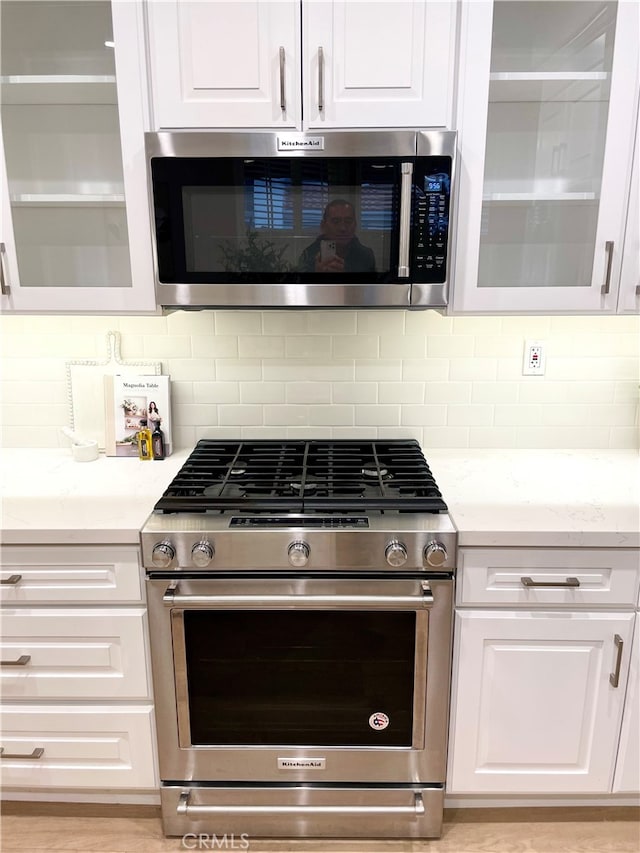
184 808
172 598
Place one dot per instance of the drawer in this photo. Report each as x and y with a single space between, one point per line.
54 653
82 747
495 576
60 574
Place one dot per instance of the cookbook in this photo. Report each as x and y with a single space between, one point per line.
133 403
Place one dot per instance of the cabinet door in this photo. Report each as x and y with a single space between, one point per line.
225 64
627 777
534 709
74 190
629 299
548 94
378 64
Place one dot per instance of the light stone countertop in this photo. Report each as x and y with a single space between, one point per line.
528 498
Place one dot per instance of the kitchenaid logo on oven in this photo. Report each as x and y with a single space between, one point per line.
302 763
300 142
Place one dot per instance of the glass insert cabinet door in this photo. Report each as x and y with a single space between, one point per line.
551 153
66 232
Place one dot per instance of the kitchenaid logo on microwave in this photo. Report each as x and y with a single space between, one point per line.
302 763
300 142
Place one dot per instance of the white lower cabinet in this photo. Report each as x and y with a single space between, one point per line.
76 708
627 778
539 683
77 746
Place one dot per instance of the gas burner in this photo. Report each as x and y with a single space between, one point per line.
237 468
303 488
377 473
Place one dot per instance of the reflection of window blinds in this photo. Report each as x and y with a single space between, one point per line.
267 199
271 187
377 207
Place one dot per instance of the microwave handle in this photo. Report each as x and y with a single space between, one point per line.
405 219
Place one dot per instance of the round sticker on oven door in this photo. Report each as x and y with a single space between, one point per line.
378 721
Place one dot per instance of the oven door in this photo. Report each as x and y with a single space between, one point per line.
301 679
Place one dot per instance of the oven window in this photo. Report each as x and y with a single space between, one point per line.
300 678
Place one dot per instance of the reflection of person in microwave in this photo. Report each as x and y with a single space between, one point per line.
337 249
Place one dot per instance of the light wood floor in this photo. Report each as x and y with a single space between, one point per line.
64 828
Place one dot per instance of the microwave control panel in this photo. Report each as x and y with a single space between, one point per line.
431 202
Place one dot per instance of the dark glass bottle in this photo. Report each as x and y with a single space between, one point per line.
157 442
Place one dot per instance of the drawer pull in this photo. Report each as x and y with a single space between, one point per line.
23 660
185 808
37 753
12 580
569 583
614 678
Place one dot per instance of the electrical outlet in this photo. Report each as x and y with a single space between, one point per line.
534 358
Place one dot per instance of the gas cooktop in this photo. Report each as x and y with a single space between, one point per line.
303 477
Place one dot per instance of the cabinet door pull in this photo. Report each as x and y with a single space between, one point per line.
5 290
568 583
320 79
23 660
614 678
283 99
12 580
37 753
608 248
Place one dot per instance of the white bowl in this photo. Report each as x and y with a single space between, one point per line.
86 452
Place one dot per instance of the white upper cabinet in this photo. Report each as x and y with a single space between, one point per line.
547 106
629 299
75 221
301 64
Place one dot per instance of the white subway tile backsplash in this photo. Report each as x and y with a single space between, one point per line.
450 346
308 346
472 415
377 416
400 392
262 392
425 415
446 381
318 393
448 392
239 323
378 370
286 415
266 346
354 392
331 415
356 346
410 346
215 346
425 369
217 393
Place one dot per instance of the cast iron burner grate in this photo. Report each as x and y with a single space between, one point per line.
304 477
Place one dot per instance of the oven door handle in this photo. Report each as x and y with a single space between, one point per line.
185 808
172 598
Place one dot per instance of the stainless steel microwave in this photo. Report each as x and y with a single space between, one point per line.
318 219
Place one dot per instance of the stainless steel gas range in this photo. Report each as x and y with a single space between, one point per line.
300 604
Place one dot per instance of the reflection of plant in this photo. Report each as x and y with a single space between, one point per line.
257 255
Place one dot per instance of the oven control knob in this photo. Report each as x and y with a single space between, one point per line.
435 554
396 554
162 555
202 554
298 553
